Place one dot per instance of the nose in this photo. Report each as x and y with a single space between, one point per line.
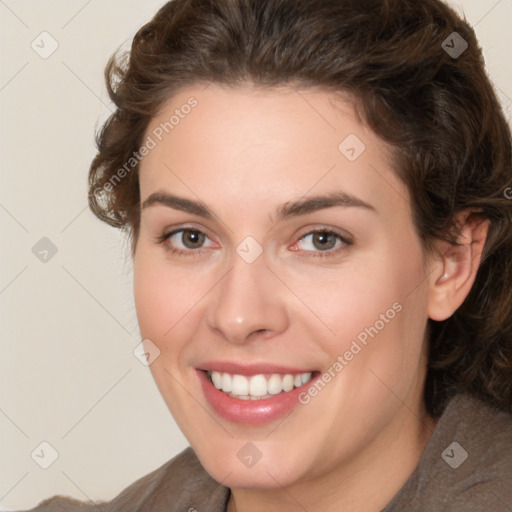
247 303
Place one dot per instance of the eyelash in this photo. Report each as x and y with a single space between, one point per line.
161 240
329 253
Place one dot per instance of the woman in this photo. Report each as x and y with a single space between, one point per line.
318 198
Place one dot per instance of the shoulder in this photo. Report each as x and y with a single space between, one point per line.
486 433
60 503
179 484
467 464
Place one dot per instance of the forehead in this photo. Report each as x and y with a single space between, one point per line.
226 144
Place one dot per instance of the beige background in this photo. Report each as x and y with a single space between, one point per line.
68 325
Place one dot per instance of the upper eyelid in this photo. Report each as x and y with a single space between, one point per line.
186 227
321 226
326 229
344 235
168 234
345 238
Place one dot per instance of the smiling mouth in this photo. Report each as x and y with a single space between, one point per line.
257 387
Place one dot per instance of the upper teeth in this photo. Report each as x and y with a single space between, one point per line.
257 385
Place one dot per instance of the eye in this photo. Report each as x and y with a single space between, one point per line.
184 240
321 241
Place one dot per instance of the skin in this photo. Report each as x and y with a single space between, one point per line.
244 153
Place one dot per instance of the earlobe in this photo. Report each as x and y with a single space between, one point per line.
456 265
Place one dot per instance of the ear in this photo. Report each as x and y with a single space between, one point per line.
454 268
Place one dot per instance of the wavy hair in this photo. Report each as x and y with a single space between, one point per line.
435 108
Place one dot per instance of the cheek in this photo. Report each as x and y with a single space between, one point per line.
169 299
153 302
353 303
375 310
166 304
161 296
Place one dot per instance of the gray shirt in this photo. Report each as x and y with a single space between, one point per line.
466 467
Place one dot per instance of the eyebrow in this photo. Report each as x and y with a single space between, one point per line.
293 208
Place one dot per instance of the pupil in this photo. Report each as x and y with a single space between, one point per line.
324 240
192 239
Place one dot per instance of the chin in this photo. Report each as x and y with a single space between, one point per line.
266 473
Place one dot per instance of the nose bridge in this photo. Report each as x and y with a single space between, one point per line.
246 301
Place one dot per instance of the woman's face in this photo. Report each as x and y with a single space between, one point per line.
276 245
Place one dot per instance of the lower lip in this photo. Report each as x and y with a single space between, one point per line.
250 412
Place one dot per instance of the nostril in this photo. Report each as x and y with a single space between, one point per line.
262 331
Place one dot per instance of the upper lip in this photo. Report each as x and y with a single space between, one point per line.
249 369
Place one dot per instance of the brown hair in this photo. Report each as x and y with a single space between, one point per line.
436 109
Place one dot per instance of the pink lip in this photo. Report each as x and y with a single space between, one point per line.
249 369
251 412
